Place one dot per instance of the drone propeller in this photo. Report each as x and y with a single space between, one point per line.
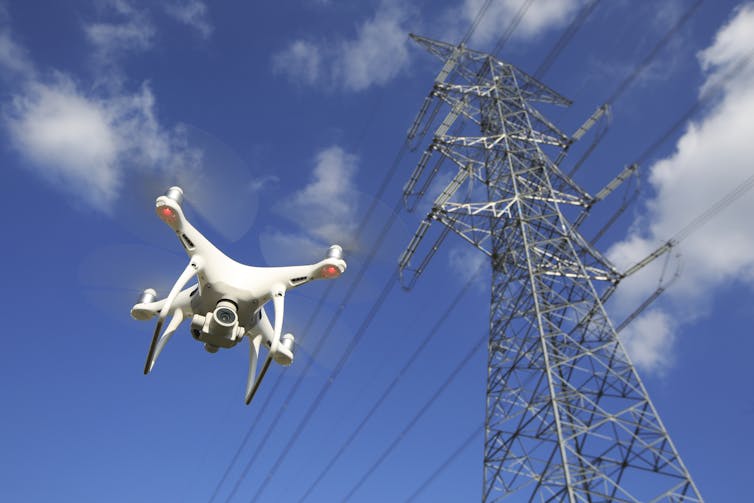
363 234
218 185
191 269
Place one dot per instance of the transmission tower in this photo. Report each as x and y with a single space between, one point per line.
567 417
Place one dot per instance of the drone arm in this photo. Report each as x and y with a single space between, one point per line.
170 211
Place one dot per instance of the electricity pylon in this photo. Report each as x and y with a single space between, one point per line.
567 416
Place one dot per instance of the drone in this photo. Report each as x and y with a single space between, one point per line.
227 302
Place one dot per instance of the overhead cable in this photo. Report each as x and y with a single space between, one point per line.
320 343
389 285
565 39
410 361
624 85
478 344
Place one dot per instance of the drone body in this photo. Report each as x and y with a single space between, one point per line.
227 302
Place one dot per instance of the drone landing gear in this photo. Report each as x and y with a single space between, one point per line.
159 341
279 348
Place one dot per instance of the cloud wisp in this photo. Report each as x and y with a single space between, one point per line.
84 139
374 56
379 50
710 158
131 30
192 13
541 16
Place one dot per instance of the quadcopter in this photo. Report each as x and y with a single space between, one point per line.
227 302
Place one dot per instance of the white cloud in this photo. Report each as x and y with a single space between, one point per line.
260 183
300 61
67 137
85 144
326 208
541 16
85 141
467 262
377 53
325 211
193 13
710 159
649 340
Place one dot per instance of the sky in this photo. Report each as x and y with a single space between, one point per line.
282 122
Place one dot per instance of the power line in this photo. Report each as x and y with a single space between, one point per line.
389 285
512 27
384 184
479 15
638 70
565 39
272 392
327 332
453 456
479 343
620 90
450 377
722 203
320 344
410 361
522 10
653 53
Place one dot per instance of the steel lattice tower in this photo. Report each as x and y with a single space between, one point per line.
567 417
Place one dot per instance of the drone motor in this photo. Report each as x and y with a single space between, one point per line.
335 252
176 194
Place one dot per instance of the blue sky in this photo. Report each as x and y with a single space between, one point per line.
286 118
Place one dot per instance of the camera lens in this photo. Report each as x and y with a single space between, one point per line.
225 316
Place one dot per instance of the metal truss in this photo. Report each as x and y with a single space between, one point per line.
567 418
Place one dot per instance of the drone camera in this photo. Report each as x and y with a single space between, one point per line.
225 316
224 319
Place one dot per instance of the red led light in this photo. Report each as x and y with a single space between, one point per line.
330 271
167 214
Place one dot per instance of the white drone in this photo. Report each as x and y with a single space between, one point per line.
227 303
